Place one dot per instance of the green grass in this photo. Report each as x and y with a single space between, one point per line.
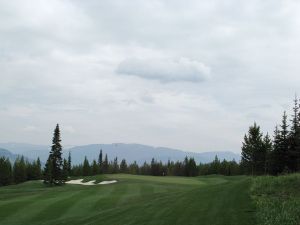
277 199
211 200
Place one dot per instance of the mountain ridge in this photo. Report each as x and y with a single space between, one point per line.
131 152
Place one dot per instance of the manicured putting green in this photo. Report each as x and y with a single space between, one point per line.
212 200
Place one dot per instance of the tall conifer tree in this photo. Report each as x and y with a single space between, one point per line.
268 147
86 170
19 170
5 171
294 139
105 164
69 164
54 171
253 153
100 162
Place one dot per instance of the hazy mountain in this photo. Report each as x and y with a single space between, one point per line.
130 152
20 148
11 156
142 153
7 154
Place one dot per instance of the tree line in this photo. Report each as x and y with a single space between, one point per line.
187 167
21 170
262 154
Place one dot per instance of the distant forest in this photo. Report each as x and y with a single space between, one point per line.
261 155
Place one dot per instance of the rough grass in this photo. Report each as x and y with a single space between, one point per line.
277 199
140 200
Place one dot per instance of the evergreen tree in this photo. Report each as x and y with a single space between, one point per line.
5 171
154 168
186 165
86 167
100 162
274 157
69 164
38 168
77 170
19 170
33 170
30 167
268 148
284 145
65 170
253 152
55 157
297 149
145 169
215 166
134 168
294 139
105 164
115 165
48 175
123 166
192 168
95 168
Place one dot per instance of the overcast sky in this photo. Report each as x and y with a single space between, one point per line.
191 74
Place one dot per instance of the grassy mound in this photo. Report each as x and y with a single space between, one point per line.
277 199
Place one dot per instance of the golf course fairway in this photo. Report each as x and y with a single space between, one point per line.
133 200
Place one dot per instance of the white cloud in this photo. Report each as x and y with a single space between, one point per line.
165 70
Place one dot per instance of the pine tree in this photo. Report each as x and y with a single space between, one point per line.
253 153
65 170
48 175
55 157
186 166
297 149
33 170
153 165
279 155
86 170
5 171
115 165
30 167
215 165
19 170
105 164
146 169
69 164
193 171
134 168
123 166
274 156
268 148
284 144
95 168
294 139
38 168
100 162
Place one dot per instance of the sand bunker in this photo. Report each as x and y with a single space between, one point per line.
108 182
92 182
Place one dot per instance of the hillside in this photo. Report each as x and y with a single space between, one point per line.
131 152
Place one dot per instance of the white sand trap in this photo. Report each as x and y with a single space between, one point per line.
92 182
108 182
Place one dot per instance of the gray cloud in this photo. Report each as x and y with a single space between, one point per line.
165 70
90 65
